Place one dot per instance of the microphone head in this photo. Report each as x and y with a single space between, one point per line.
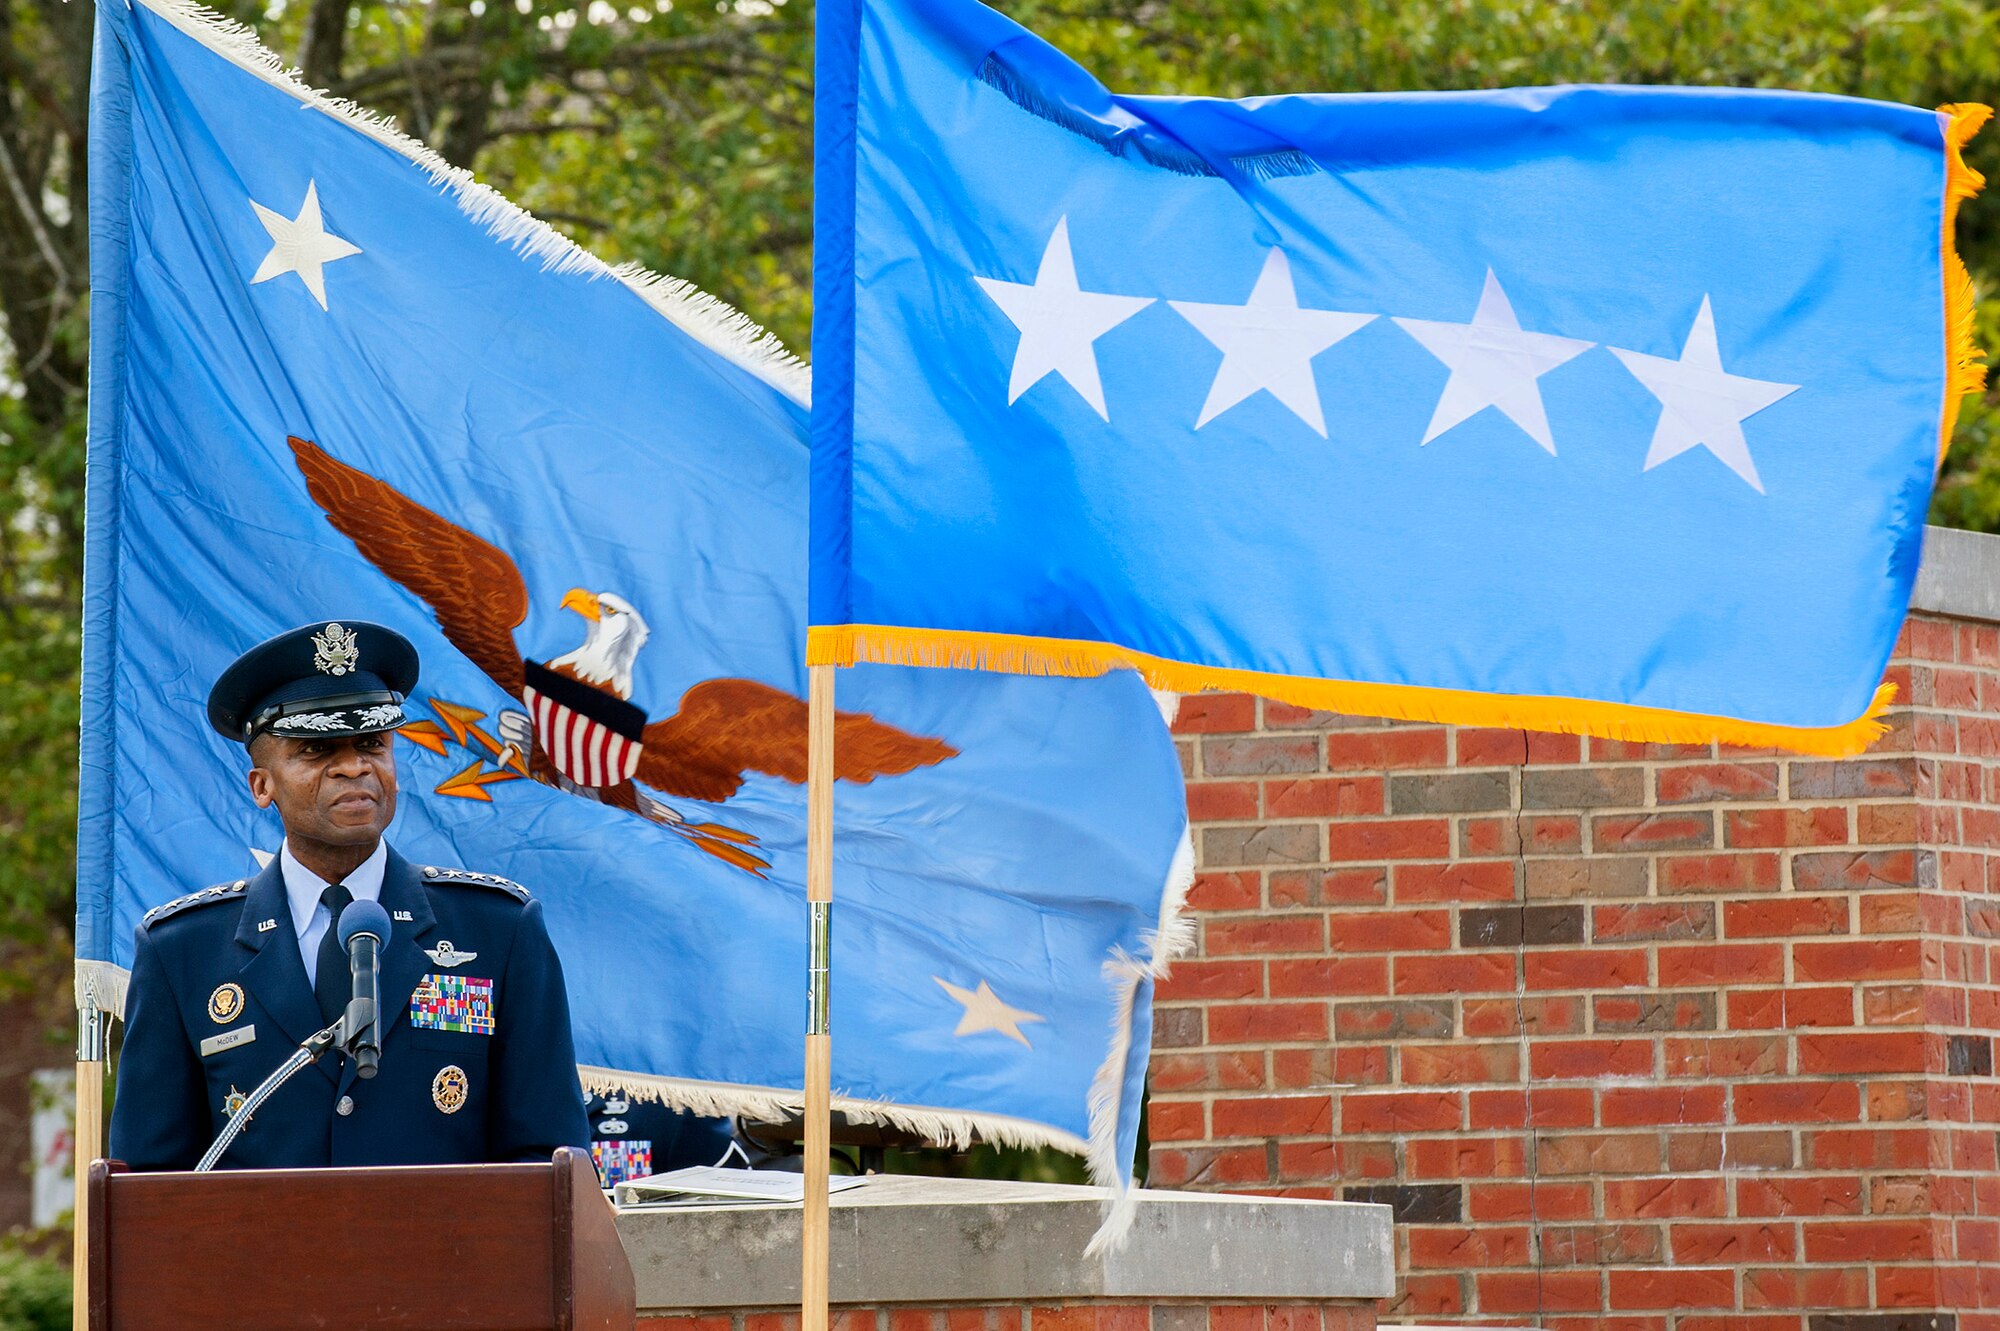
364 917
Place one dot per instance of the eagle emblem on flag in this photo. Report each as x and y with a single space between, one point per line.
581 732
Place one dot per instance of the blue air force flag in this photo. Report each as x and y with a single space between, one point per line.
334 377
1600 409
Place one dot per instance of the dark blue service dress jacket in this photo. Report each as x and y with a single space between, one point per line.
633 1138
477 1060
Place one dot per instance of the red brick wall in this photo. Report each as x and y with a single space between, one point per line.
1646 1037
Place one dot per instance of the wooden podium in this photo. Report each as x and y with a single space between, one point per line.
430 1248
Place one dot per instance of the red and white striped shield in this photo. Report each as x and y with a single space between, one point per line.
592 737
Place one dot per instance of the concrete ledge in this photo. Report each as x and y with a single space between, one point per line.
1960 575
904 1239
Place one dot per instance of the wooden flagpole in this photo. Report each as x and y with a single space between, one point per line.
819 1067
89 1134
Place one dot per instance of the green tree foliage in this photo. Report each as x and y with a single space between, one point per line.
678 133
34 1293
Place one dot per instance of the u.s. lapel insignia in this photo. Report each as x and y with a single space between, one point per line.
265 926
232 1103
225 1004
444 954
448 1089
404 917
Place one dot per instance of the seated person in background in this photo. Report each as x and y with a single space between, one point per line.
633 1138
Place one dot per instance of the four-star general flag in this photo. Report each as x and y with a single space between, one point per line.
1591 409
332 376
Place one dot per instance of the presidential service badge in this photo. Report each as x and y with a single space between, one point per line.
335 651
225 1004
448 1089
233 1102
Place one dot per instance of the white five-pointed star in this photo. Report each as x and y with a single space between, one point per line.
301 245
1268 342
1700 402
1493 364
985 1012
1059 321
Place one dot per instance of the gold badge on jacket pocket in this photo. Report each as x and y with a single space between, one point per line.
448 1089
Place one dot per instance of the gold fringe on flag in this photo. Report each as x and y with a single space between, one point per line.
849 644
1965 368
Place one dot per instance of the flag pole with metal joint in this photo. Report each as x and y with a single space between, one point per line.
819 1071
91 1048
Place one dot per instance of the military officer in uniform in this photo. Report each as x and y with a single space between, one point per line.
633 1138
477 1062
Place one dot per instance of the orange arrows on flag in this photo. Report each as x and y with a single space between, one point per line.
457 718
471 783
424 734
460 719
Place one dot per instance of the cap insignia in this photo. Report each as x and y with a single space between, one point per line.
335 651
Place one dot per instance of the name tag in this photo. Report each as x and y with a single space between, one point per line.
215 1044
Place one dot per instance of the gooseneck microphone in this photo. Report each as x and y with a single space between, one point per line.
364 932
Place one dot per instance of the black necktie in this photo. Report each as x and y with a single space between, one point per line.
331 983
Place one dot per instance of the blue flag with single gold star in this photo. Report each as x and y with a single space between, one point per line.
1600 409
334 377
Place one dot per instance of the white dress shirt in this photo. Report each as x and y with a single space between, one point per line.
310 917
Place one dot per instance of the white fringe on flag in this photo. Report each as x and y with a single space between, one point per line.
716 325
954 1128
1159 947
101 985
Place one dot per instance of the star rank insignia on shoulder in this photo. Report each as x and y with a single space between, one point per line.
208 895
437 874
